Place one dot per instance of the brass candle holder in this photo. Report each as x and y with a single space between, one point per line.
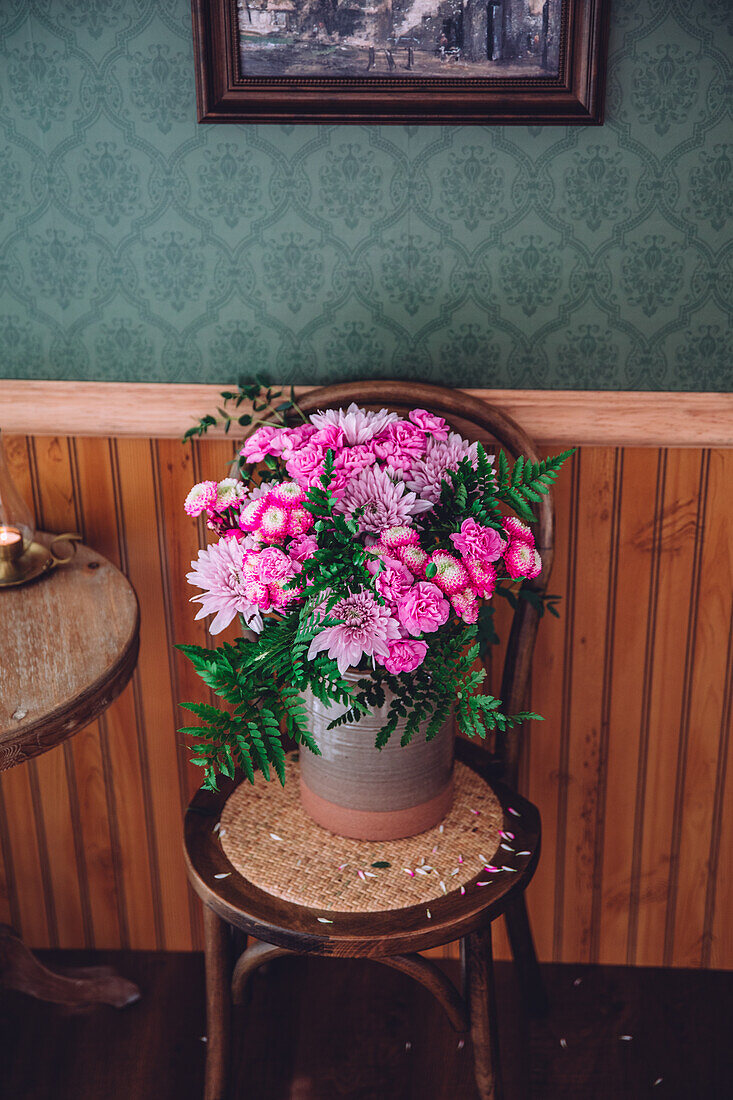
22 558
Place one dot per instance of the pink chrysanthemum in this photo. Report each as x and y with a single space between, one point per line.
202 498
383 502
357 425
427 473
220 572
518 531
451 576
366 630
522 560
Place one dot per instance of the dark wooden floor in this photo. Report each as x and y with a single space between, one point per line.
330 1029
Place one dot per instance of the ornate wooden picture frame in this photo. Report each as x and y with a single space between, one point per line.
524 62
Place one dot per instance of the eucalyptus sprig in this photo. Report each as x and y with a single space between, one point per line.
262 398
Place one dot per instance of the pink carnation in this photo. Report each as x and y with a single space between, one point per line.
404 656
429 423
475 541
306 464
267 440
351 461
292 439
202 498
400 445
392 580
518 531
330 436
302 548
274 566
522 560
422 609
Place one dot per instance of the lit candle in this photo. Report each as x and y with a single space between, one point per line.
11 543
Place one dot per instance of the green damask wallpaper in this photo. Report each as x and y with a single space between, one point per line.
137 245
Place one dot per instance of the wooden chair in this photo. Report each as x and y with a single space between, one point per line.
393 938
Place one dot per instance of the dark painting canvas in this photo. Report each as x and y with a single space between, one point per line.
453 39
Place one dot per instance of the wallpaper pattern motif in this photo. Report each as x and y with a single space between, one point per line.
137 245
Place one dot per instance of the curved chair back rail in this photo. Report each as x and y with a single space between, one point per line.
474 418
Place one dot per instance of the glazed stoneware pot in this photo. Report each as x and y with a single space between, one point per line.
354 789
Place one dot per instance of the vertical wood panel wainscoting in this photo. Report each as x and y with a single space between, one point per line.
629 769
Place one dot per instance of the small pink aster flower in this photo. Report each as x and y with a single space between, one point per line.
400 535
273 523
483 577
405 655
475 541
518 531
367 629
221 573
202 498
288 493
415 558
382 502
229 492
429 423
422 609
401 444
465 604
451 575
522 560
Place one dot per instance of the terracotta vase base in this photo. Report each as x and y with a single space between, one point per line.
376 824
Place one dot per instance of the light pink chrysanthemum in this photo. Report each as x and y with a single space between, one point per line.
384 503
219 571
357 425
202 498
428 472
367 629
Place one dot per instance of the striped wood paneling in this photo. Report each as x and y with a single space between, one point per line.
629 768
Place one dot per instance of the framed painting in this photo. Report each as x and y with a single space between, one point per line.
401 61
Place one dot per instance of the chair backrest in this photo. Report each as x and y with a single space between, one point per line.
472 417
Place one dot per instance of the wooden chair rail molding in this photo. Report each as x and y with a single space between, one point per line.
551 417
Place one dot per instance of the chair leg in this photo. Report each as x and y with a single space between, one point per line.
533 989
218 1005
482 1004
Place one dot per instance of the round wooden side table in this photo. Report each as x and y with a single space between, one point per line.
68 646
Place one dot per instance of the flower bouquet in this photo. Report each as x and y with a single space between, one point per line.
360 551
